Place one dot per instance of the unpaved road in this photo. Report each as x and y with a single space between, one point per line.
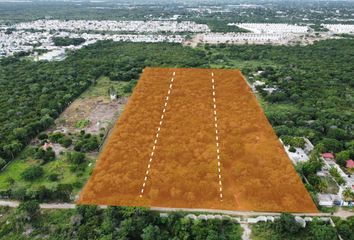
14 204
341 213
246 232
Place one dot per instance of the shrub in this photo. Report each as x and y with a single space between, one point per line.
87 143
42 136
46 155
76 157
336 175
32 173
292 149
82 123
65 141
31 208
341 157
55 137
286 224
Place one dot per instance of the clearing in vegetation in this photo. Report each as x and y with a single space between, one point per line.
195 138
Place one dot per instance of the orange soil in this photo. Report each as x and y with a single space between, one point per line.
256 173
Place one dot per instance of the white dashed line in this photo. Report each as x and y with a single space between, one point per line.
216 136
157 136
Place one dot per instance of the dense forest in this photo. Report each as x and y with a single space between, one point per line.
312 97
314 85
66 41
313 94
34 93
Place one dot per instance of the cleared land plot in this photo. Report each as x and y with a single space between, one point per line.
93 106
173 148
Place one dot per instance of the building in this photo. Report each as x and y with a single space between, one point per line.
328 156
350 164
300 154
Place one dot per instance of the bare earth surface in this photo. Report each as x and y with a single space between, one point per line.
195 138
99 111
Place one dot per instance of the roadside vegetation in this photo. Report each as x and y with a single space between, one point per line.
90 222
286 227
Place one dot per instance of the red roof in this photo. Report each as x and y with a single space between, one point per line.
328 155
350 163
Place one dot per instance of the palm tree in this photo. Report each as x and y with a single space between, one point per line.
348 195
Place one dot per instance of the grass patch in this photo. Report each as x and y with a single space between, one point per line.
82 123
332 185
66 173
13 171
59 166
102 86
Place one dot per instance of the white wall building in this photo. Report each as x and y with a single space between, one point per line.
340 28
277 28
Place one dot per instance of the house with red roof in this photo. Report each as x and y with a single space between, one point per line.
350 164
328 156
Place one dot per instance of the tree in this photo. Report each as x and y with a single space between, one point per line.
32 173
331 145
322 231
20 134
348 195
338 134
342 157
287 224
346 228
76 157
18 193
42 136
56 137
13 148
65 141
66 41
31 208
334 173
151 233
46 155
126 228
292 149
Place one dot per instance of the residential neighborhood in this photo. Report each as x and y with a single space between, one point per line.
342 178
36 37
